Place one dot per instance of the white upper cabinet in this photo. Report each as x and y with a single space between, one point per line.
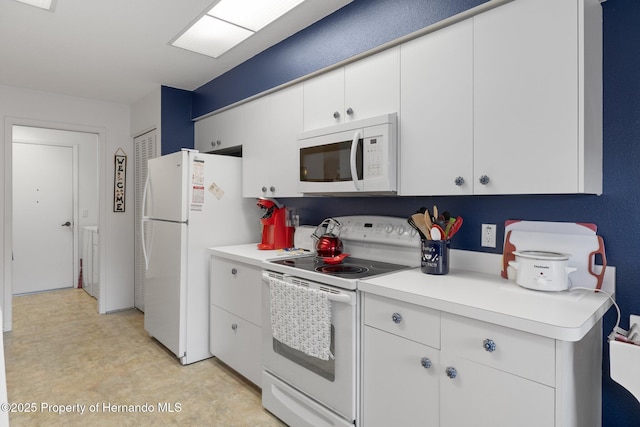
538 98
270 159
436 130
367 88
222 131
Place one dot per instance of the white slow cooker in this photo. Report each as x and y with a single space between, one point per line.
542 270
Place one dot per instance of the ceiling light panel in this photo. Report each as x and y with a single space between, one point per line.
43 4
211 36
252 14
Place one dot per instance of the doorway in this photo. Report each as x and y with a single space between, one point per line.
55 172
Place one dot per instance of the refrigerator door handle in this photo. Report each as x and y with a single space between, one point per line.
142 222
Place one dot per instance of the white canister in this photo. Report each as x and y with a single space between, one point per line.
542 270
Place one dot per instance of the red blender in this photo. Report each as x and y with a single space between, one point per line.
276 234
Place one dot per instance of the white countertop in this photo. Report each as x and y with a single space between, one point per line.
566 316
250 254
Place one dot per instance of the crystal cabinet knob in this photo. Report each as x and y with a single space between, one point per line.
451 372
336 115
396 317
349 111
484 180
425 362
489 345
459 181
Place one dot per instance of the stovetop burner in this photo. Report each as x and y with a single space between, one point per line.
341 269
351 268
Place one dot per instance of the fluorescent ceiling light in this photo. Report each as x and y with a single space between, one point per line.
43 4
230 22
211 36
252 14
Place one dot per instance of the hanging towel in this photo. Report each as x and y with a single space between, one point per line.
301 318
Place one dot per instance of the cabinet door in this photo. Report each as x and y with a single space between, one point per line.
220 131
270 163
436 130
236 287
372 86
237 343
324 100
486 397
526 98
397 389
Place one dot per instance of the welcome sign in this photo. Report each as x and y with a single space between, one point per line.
119 180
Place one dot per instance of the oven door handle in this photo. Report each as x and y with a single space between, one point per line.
352 163
346 299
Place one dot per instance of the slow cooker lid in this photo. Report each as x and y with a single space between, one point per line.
543 255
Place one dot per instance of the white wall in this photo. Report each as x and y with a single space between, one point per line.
112 123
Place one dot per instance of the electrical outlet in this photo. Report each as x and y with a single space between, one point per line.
488 238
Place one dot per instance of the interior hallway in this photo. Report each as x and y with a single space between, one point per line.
61 352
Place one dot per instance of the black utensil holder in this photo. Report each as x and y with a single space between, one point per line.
434 256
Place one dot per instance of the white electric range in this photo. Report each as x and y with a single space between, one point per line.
303 389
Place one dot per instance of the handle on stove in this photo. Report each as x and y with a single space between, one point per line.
336 296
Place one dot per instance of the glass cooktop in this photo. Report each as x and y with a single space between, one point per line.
350 268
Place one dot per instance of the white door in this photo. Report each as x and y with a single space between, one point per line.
42 217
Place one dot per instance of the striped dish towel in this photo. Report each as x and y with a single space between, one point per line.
301 318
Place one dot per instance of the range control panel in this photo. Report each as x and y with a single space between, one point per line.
384 230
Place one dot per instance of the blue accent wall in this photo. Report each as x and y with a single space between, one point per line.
356 28
364 24
175 114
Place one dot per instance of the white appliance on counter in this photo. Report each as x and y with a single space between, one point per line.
351 158
191 201
298 386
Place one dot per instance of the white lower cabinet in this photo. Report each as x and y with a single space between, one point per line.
235 317
474 374
400 382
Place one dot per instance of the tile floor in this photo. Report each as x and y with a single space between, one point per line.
62 355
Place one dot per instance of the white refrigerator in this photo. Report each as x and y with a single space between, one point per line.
192 201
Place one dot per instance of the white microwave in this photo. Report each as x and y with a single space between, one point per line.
351 158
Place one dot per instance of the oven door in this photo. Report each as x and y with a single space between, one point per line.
332 382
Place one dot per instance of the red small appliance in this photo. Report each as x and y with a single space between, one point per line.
276 234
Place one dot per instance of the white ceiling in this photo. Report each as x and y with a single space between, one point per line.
118 50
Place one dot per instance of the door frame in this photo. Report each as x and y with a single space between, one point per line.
75 207
6 296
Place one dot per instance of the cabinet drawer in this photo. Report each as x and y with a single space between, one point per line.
520 353
236 287
237 343
406 320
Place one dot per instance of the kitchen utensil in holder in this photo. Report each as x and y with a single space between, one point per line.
435 256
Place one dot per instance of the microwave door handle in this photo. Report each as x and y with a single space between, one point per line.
354 152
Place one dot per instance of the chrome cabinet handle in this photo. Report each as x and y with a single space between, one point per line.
451 372
272 189
459 181
234 271
349 111
264 189
489 345
396 317
484 180
425 362
336 115
234 326
66 224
